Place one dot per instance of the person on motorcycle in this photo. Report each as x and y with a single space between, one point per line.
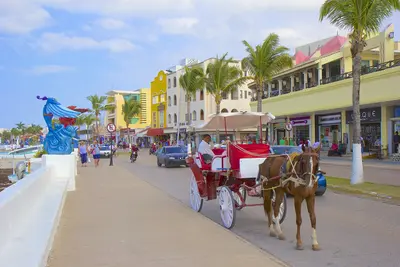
134 149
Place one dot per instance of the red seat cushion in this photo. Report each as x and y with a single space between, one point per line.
237 152
218 151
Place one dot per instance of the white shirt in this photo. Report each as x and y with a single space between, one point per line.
204 148
316 145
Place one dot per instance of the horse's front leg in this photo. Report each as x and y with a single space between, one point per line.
297 207
279 195
268 210
311 211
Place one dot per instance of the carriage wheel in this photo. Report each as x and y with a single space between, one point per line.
196 202
227 207
239 203
282 208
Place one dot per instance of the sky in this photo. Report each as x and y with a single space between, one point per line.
70 49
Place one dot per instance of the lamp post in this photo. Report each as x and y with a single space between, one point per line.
111 129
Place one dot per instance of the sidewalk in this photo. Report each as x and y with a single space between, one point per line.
117 220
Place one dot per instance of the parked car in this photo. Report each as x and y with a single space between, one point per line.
105 151
279 150
171 156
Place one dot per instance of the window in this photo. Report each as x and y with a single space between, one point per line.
201 115
175 118
193 97
169 83
364 63
174 81
194 115
241 94
169 118
201 94
245 94
175 100
162 98
224 95
169 101
154 120
161 118
235 95
155 99
234 110
224 110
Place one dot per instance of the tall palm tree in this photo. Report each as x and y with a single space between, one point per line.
88 120
15 133
362 18
191 82
98 106
264 61
223 77
130 109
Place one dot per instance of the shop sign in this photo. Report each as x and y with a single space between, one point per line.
366 115
329 119
300 122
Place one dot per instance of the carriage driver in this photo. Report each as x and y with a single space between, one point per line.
205 149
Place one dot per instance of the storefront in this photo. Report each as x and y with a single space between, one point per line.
328 129
278 131
301 128
370 125
394 127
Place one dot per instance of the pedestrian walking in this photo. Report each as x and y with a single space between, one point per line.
96 153
83 153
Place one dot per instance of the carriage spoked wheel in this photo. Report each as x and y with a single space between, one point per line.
196 202
282 208
227 207
238 201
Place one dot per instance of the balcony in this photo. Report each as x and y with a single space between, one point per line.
299 87
364 70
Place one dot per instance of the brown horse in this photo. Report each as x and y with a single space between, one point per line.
294 174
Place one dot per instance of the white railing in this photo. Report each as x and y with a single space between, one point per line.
30 210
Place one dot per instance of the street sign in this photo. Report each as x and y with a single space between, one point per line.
288 126
111 128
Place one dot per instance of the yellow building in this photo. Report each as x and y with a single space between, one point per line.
158 91
315 96
116 99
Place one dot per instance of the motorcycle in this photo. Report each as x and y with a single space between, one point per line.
134 156
152 151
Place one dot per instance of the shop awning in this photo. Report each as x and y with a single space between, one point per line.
155 131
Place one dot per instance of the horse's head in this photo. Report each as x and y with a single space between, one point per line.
308 164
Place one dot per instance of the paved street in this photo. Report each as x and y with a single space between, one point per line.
115 219
351 231
375 172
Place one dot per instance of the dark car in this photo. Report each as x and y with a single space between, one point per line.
279 150
171 156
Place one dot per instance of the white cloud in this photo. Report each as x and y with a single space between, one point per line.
22 16
110 24
178 25
49 69
58 41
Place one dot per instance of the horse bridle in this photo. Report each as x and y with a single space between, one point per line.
311 173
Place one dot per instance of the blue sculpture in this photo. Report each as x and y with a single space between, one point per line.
58 141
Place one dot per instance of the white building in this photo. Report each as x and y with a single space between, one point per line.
202 106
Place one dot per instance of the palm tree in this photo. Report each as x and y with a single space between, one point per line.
191 81
15 133
130 109
88 120
97 106
362 18
80 120
264 61
223 77
21 126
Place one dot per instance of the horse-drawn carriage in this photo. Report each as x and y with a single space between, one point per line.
233 173
249 170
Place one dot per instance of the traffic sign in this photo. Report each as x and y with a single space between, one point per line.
111 128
